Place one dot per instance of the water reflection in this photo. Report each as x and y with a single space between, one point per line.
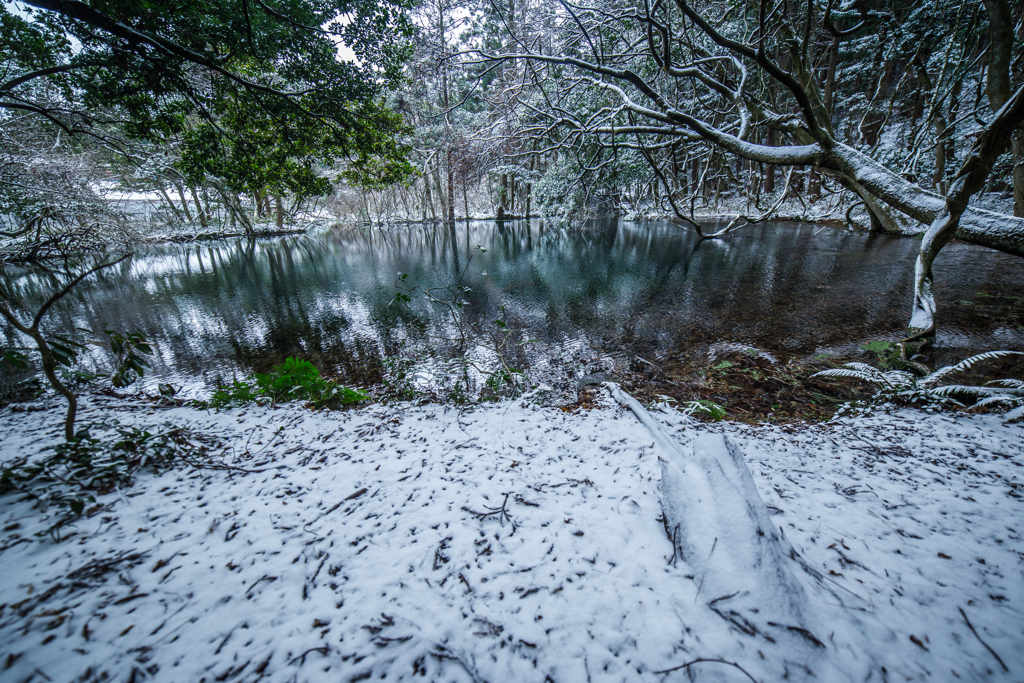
215 309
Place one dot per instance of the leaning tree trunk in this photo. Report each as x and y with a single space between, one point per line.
46 353
50 370
994 139
977 226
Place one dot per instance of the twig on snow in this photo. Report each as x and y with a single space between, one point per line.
971 626
703 660
322 650
444 652
265 577
501 512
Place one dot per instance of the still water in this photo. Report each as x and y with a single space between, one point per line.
217 309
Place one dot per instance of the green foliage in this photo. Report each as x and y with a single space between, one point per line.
705 408
889 354
129 363
723 365
13 359
119 53
877 346
71 474
237 393
293 380
700 407
129 349
504 379
251 96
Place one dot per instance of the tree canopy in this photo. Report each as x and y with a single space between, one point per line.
256 92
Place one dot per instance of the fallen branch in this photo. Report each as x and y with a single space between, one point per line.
500 511
703 660
970 626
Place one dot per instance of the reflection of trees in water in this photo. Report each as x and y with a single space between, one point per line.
215 307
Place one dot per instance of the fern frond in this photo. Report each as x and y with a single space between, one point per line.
899 378
1015 414
933 378
1010 383
951 389
990 400
864 367
852 374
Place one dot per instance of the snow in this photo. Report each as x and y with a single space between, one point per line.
354 545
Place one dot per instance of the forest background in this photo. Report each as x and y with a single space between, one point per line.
124 120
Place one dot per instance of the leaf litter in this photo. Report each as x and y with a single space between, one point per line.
505 542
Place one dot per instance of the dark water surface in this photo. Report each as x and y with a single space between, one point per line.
649 289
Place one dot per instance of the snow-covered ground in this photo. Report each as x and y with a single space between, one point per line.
509 542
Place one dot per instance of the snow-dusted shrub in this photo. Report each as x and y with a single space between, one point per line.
69 475
898 386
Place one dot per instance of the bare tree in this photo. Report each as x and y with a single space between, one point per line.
664 79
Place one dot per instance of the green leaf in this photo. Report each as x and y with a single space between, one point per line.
14 360
62 355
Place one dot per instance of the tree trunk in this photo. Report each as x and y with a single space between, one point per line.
769 169
170 202
200 209
279 210
857 170
50 370
184 203
451 189
428 200
939 176
502 195
971 177
439 189
1018 172
998 85
830 77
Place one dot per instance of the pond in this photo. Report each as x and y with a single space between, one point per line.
616 289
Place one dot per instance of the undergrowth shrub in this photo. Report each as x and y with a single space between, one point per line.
70 474
293 380
905 388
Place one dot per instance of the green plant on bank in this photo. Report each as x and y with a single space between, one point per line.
892 355
500 379
129 349
700 407
292 380
705 408
72 473
904 387
60 352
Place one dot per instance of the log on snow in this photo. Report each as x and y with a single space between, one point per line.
746 571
